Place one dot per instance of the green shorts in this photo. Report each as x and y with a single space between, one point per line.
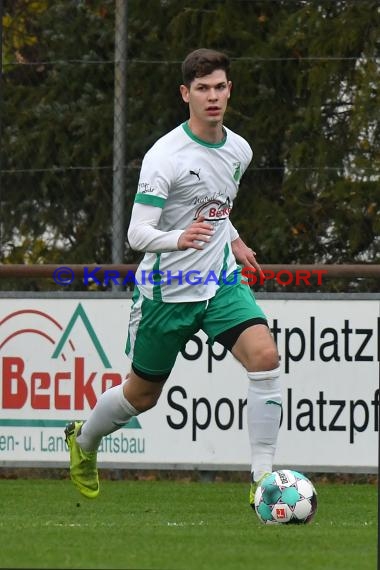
159 331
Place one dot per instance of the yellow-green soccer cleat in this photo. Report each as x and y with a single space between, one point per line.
253 489
83 471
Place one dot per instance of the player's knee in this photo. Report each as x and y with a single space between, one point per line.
147 401
144 400
266 359
271 358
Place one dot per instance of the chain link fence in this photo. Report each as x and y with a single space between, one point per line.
63 129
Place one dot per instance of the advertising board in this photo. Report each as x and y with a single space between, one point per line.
59 354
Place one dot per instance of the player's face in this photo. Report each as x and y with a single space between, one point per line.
208 97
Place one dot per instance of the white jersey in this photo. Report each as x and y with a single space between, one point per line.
188 177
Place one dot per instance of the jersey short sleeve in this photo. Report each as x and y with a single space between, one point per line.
156 177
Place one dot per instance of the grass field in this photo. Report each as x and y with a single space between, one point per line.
172 525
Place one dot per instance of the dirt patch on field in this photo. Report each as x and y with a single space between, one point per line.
176 475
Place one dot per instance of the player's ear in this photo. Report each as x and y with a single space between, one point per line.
229 85
185 92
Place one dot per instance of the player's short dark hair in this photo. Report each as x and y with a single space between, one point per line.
202 62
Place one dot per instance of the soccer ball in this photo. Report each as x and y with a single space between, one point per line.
286 497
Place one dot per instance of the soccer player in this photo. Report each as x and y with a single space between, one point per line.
180 218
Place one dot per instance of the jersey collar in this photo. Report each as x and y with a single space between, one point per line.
196 139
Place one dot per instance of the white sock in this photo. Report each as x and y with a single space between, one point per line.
264 405
111 412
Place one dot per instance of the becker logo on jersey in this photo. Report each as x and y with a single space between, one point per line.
214 210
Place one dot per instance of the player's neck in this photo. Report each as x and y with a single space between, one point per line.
211 133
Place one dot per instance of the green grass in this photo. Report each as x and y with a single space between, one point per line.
173 525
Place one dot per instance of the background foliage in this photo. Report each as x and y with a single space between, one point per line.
306 96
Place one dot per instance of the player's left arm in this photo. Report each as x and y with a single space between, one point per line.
243 254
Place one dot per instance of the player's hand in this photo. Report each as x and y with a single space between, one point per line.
196 235
246 256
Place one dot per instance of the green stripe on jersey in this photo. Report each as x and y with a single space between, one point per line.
225 266
150 200
157 296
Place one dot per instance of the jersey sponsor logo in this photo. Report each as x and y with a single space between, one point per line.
145 188
205 199
215 210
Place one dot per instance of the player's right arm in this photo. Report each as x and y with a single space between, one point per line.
143 234
196 235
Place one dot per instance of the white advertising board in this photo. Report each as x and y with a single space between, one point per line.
58 355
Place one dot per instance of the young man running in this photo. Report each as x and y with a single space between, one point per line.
188 182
